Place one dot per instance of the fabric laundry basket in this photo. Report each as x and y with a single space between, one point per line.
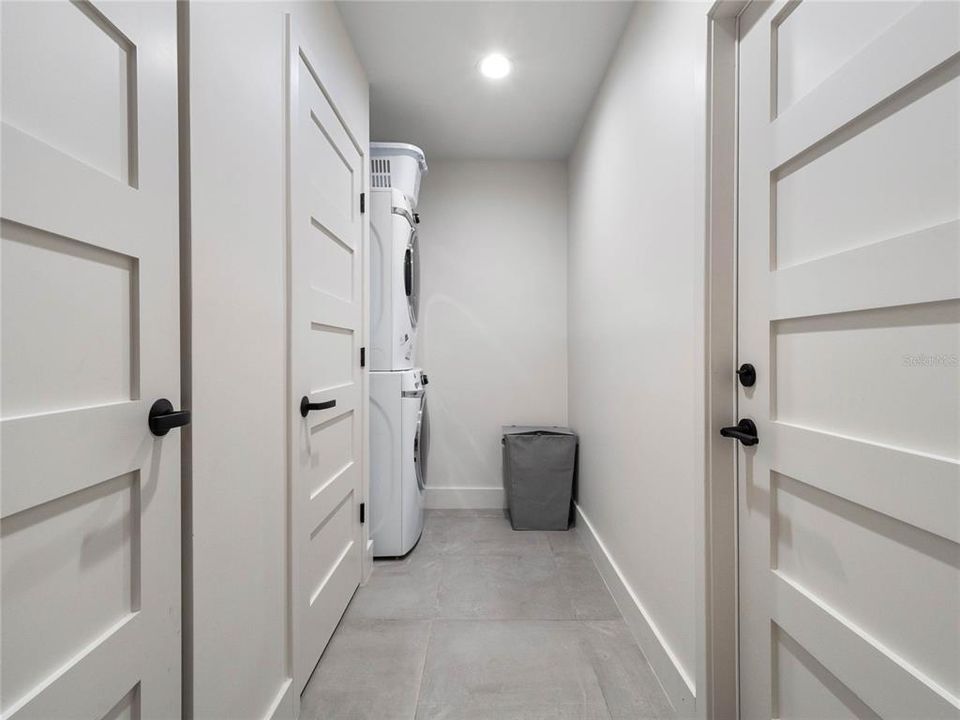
538 466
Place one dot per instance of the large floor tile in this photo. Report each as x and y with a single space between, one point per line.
629 686
584 587
460 513
369 671
565 542
517 711
526 631
481 670
399 589
502 587
481 535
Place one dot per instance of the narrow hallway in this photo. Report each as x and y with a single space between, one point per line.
479 622
282 278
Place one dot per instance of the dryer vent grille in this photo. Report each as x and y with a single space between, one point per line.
398 167
380 173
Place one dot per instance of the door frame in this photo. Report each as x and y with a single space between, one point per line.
717 556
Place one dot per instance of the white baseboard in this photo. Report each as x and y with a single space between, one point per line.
678 687
368 565
465 498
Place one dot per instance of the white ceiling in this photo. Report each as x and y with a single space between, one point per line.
421 59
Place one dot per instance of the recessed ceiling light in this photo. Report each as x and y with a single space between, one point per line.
495 66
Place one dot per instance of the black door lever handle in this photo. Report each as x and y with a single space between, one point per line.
306 406
163 418
745 431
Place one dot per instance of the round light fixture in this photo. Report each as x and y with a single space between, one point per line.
495 66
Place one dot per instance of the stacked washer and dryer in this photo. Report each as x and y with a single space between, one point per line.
399 426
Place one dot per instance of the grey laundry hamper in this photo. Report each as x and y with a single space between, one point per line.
538 466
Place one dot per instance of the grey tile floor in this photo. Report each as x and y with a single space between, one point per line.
483 623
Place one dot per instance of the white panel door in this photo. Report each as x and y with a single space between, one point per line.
849 279
90 499
326 291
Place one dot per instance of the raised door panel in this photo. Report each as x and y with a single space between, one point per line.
75 292
78 96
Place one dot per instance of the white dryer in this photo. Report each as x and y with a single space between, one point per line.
399 444
394 281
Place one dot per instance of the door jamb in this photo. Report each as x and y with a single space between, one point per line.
718 667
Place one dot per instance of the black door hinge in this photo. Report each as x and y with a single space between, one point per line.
363 203
363 516
363 357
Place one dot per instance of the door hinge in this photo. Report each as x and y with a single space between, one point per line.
363 516
363 203
363 357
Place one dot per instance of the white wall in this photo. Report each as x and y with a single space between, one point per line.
494 329
237 660
635 325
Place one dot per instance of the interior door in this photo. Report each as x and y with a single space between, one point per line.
326 176
90 340
849 279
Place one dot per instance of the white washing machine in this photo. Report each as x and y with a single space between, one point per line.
394 281
399 445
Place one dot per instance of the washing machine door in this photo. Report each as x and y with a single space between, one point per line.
419 456
421 443
411 276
